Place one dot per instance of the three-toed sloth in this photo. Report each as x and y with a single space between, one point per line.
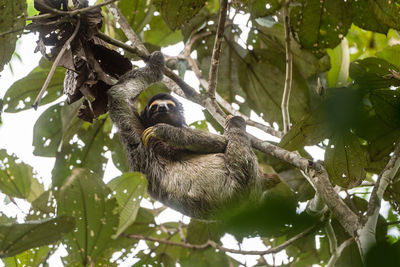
192 171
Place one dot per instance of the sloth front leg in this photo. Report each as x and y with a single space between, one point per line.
186 138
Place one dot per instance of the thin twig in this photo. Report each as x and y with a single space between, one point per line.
213 74
289 65
211 243
56 12
55 64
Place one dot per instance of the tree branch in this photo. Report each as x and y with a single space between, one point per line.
339 251
56 12
55 63
211 243
128 31
366 235
289 66
213 74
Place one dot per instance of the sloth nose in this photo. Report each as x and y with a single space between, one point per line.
162 108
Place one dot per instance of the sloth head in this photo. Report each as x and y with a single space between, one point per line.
163 108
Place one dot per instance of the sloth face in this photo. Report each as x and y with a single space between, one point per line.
163 109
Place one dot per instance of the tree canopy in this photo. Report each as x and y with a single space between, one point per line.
319 73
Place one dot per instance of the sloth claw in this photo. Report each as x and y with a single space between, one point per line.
147 134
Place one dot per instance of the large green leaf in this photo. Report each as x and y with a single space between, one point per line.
137 12
345 159
159 33
365 17
85 149
32 258
177 13
128 189
387 106
266 35
118 154
21 95
15 238
387 12
311 130
262 8
13 15
47 132
89 201
15 176
373 73
320 24
262 77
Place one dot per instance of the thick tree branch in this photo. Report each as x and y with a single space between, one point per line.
213 74
289 66
55 64
211 243
367 236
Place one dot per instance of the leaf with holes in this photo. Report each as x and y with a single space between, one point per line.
320 24
386 12
177 13
21 95
13 14
15 176
129 189
34 258
86 149
85 197
15 238
47 132
345 159
312 129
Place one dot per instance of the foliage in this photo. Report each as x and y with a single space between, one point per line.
353 47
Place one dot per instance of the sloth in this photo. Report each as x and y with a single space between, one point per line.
189 170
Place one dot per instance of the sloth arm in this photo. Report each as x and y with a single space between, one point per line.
186 138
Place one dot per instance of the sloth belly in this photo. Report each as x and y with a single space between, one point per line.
195 185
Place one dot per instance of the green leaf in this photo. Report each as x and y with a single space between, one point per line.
32 258
15 238
118 154
391 54
47 132
340 62
263 77
311 130
86 149
128 189
387 106
387 12
21 95
305 61
137 12
13 15
15 176
88 200
177 13
373 73
262 8
364 17
345 160
159 33
320 24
